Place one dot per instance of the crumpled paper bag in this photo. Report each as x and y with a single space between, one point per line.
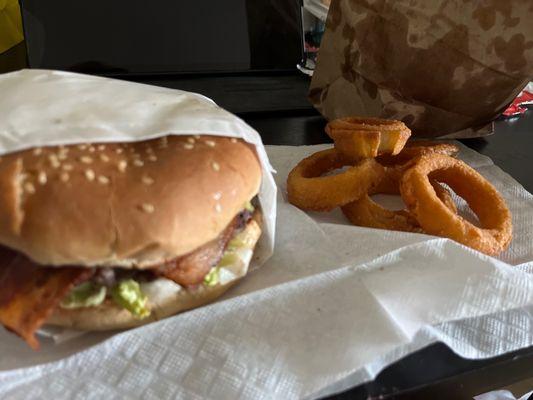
332 307
443 67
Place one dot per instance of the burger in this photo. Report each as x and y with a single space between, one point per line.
106 236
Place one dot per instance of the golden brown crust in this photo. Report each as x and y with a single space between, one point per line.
123 204
494 233
356 138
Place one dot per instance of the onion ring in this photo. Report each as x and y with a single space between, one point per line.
309 190
366 212
495 233
395 166
418 148
356 138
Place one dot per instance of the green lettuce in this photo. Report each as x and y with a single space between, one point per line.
128 295
87 294
213 277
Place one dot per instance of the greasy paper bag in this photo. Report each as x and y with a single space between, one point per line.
444 67
45 108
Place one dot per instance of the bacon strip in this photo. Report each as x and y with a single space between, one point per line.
29 294
192 268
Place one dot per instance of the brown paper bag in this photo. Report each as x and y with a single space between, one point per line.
444 67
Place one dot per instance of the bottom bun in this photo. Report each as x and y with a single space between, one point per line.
165 297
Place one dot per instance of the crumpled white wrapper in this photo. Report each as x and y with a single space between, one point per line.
333 306
43 108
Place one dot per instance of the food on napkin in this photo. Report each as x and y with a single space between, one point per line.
377 160
105 236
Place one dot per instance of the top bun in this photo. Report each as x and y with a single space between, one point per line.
117 204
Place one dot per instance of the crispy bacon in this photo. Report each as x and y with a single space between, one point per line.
192 268
29 294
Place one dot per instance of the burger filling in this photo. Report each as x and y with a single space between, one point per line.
30 293
123 286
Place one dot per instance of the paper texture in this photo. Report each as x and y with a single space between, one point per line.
501 395
333 306
443 67
43 108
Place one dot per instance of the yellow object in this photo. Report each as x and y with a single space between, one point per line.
10 24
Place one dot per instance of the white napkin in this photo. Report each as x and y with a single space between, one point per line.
333 306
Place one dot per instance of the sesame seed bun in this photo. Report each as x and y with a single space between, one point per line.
129 205
165 298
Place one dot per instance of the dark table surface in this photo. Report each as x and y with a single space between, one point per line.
434 372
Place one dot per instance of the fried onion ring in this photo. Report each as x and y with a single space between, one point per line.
366 212
395 166
309 190
435 218
418 148
356 138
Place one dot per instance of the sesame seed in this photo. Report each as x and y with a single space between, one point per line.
196 136
101 147
118 150
122 165
62 156
218 208
136 155
163 142
147 180
149 150
216 166
104 158
152 158
233 140
104 180
147 207
210 143
190 140
54 161
64 176
89 174
37 151
82 146
41 177
67 167
138 163
86 159
217 196
91 149
28 187
188 146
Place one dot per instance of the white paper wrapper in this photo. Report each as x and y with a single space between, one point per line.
44 108
333 306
